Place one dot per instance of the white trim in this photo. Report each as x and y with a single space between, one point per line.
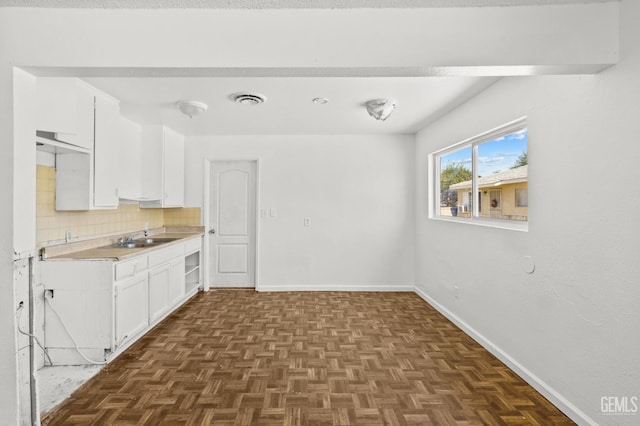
256 238
205 222
475 187
433 190
511 225
537 383
496 132
335 287
205 218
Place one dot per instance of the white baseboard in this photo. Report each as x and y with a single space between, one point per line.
538 384
333 287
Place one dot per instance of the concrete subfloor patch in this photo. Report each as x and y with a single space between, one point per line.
57 383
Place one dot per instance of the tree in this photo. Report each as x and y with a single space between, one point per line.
521 161
453 173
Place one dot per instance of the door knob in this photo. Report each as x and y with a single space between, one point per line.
212 231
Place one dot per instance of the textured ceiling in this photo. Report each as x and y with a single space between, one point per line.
280 4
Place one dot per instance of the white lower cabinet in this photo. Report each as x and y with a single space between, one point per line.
166 288
176 281
106 305
158 292
132 308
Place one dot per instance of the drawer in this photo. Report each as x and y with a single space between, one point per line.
164 255
129 268
192 245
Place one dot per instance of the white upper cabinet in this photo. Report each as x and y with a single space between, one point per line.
129 160
56 105
65 108
173 162
162 181
105 151
88 179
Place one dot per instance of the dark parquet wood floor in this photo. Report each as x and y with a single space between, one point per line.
237 357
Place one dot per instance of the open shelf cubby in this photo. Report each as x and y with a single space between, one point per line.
192 271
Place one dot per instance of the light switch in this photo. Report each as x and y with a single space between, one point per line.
263 213
307 221
273 212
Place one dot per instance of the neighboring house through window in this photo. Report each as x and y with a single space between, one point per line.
494 167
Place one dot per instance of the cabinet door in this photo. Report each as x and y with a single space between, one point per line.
129 160
85 104
176 281
105 152
56 105
158 292
173 165
151 163
132 308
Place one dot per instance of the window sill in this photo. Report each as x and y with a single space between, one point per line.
520 226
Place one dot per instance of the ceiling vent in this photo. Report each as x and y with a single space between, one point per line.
248 98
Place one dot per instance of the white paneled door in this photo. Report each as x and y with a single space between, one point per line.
232 224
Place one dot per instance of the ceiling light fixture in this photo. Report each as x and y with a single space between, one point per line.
248 98
320 100
380 109
191 108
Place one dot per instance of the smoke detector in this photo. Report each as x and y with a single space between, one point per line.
248 98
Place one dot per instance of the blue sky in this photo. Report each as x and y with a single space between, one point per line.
493 156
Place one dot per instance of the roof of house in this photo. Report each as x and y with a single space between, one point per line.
517 175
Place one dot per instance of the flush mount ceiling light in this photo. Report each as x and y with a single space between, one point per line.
320 100
191 108
380 109
248 98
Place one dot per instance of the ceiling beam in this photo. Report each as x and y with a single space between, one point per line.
457 71
502 41
282 4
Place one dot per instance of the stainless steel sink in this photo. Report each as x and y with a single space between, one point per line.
143 242
151 240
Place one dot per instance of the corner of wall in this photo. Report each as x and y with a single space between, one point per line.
545 389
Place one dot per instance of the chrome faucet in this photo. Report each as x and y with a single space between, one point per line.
122 240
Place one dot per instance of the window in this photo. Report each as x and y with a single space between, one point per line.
485 177
522 197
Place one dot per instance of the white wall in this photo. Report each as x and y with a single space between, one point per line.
357 190
8 344
574 322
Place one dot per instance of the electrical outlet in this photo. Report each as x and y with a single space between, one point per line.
456 291
67 236
307 221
